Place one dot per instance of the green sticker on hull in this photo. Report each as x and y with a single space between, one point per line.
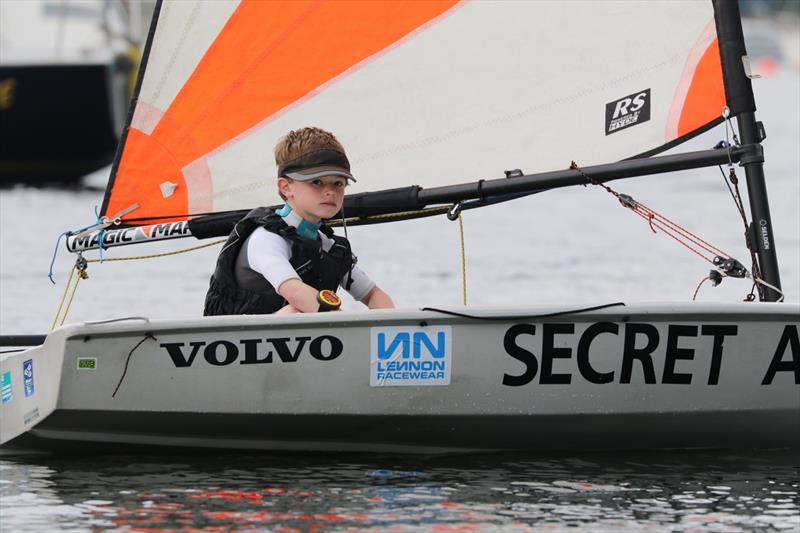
87 363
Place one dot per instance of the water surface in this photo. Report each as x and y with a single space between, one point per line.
661 492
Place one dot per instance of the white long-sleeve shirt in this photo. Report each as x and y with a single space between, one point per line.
269 254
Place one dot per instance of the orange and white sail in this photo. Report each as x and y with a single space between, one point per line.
420 93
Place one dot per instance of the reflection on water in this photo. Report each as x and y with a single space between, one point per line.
699 492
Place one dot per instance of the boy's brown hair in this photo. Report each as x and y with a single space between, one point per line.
298 142
302 141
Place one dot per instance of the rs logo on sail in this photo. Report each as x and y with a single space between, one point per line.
628 111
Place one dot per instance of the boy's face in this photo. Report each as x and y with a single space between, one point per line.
315 199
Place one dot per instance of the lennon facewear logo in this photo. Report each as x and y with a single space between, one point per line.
628 111
409 355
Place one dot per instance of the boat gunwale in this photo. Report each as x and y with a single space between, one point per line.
685 312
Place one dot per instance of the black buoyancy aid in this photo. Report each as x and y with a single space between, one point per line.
314 266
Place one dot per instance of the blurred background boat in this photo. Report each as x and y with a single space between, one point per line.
66 75
772 33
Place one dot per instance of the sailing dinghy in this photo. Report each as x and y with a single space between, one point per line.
462 90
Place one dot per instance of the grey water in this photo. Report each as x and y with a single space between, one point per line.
572 246
693 492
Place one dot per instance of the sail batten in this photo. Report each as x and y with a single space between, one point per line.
424 93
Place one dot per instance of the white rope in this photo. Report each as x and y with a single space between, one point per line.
765 284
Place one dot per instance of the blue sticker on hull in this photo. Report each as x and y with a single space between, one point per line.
5 387
410 356
27 372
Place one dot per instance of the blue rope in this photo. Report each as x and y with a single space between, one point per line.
99 235
75 232
55 252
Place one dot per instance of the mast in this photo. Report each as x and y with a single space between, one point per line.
739 91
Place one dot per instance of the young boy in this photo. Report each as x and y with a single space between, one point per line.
287 261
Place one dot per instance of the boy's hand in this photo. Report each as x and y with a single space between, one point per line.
299 295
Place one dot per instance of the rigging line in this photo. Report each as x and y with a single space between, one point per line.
574 166
454 213
653 217
686 233
344 222
101 222
674 231
55 253
81 264
737 200
163 254
463 259
694 297
403 215
101 233
773 287
147 335
667 232
650 215
353 259
63 297
726 116
521 317
81 275
136 220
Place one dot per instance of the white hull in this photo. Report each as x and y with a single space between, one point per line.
636 377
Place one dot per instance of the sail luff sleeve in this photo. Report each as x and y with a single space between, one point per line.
382 202
131 109
738 87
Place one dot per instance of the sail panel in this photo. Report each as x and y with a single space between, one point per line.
268 56
705 92
186 31
426 93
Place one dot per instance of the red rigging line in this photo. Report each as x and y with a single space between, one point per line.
671 228
680 234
